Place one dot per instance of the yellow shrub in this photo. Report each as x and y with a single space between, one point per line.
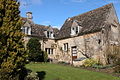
89 62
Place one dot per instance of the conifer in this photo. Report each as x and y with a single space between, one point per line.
12 52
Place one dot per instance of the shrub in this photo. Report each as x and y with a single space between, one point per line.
98 66
35 52
89 62
113 56
45 55
32 76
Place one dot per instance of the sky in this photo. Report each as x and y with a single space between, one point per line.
55 12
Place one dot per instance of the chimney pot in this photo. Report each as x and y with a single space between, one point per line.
29 15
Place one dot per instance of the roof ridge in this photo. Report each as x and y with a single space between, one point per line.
111 4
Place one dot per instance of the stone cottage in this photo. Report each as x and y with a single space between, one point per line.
83 36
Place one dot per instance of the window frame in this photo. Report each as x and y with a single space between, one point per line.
26 30
65 47
49 34
49 51
75 30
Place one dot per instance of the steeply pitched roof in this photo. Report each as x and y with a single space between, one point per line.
38 30
91 21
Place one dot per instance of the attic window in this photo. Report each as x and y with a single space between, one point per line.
74 30
26 30
53 35
50 34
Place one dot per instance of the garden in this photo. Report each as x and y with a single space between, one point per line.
47 71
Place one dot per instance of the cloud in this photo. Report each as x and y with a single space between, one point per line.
25 3
78 1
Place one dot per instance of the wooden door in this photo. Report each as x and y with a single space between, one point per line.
74 52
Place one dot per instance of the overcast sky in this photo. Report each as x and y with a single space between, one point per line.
55 12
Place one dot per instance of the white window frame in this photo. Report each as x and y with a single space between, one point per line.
26 30
49 34
49 51
75 30
65 46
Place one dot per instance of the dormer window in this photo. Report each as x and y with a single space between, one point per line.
50 34
74 30
26 30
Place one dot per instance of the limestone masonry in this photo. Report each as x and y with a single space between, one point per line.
83 36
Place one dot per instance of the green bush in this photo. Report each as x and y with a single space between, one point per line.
35 52
45 55
89 62
98 66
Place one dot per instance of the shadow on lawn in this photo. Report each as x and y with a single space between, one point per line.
41 75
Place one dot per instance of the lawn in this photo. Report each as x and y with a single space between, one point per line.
49 71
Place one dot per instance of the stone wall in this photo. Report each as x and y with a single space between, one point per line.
115 28
89 44
50 43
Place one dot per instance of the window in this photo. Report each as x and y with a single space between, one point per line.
26 30
49 50
23 29
74 30
53 35
66 47
50 34
99 41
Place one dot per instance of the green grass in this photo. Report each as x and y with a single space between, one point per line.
59 72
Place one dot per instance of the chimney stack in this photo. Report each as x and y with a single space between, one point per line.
29 15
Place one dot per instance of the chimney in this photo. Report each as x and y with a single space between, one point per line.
29 15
